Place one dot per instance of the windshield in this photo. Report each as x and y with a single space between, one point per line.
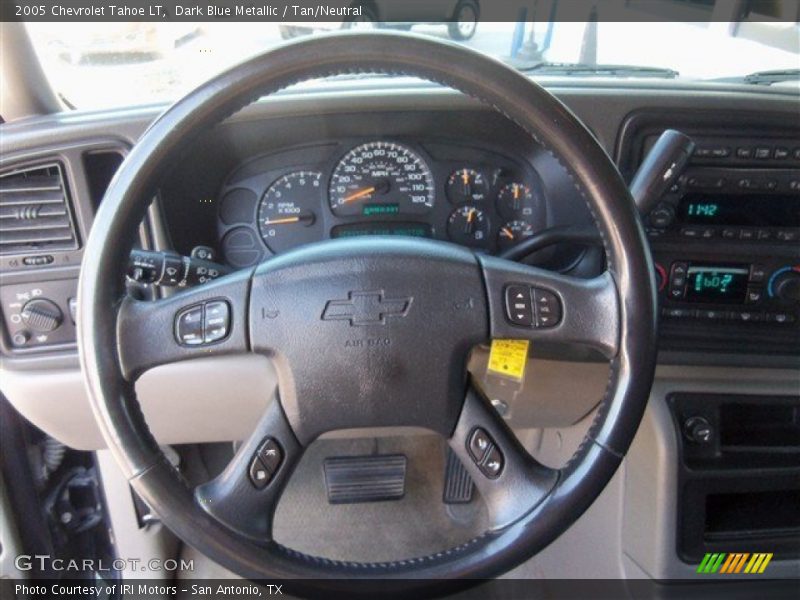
96 65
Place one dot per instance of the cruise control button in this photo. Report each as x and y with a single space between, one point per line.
217 321
189 326
518 305
492 465
260 476
270 454
479 443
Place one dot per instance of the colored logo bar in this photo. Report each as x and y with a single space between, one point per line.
733 563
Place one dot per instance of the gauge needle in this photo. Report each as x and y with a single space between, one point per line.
507 232
465 177
471 215
358 194
282 221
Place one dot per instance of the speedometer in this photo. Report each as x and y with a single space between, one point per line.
381 179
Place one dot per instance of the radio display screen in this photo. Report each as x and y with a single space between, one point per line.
717 283
748 210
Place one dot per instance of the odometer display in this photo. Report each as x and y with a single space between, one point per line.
381 174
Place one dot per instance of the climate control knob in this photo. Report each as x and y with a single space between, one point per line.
785 284
42 315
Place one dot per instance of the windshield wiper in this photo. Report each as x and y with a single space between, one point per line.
577 69
770 77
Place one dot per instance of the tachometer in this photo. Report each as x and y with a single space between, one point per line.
286 216
381 179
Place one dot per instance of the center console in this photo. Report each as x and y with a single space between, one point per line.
726 236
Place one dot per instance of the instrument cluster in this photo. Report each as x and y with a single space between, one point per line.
472 197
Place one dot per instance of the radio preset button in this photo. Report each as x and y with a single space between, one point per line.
730 233
747 234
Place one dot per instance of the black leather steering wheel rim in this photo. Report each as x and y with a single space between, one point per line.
101 296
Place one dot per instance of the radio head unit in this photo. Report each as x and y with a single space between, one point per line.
717 204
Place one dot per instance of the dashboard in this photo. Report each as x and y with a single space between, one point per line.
300 169
356 187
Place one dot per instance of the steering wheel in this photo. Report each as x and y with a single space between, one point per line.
369 332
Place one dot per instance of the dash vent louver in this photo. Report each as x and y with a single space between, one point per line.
35 214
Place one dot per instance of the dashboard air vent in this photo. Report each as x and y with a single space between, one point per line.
34 211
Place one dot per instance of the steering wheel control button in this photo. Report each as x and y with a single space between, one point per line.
189 326
217 321
265 463
546 307
479 445
271 455
260 476
519 309
493 464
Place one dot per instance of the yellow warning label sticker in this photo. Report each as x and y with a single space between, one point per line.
508 357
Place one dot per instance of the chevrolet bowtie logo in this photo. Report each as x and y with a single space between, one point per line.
366 308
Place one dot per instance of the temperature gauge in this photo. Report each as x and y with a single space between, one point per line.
512 233
285 215
515 201
468 226
466 185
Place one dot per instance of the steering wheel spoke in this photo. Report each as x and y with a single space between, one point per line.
204 321
510 481
530 303
245 495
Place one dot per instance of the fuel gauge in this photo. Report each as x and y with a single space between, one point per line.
468 226
466 185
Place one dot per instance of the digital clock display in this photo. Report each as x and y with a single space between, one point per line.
717 283
747 210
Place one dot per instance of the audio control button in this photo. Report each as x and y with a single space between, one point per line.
729 233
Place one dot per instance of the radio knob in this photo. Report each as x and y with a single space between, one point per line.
785 284
662 216
42 315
